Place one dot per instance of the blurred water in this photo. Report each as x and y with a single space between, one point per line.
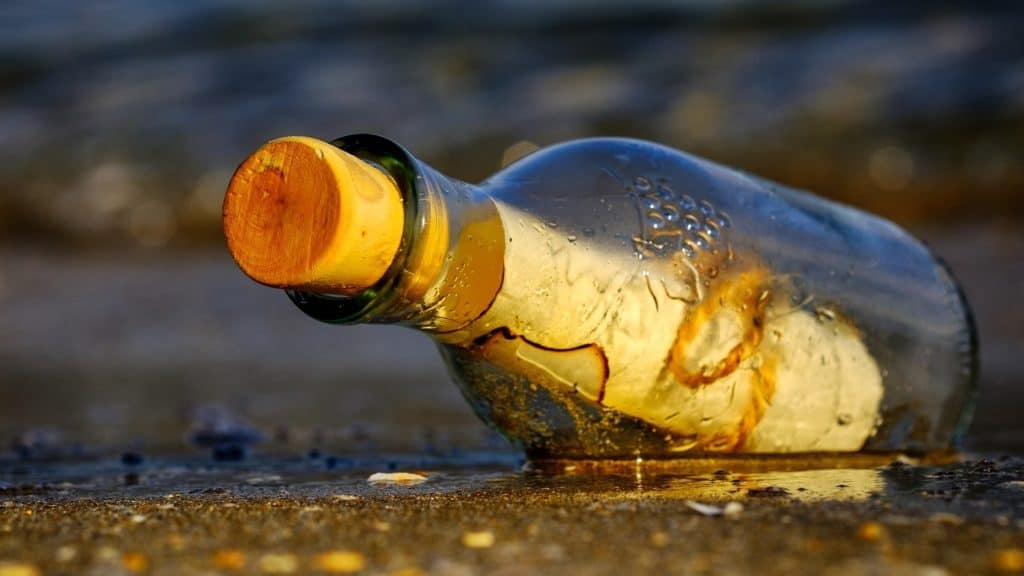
122 121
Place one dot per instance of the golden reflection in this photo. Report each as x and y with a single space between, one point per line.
804 485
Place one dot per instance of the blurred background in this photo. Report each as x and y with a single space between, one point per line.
123 322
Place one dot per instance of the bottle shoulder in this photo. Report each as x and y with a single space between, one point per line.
611 156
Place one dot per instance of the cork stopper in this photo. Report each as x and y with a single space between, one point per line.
302 214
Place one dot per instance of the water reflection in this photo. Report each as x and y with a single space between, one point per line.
720 485
805 485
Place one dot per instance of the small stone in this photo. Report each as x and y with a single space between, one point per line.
703 509
345 498
107 554
18 569
265 480
478 539
904 460
65 554
732 509
396 478
871 531
1009 560
381 526
659 539
228 559
340 562
135 562
137 518
279 563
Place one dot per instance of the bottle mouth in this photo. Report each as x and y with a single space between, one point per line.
400 166
300 213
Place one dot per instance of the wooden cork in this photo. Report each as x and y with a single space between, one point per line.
302 214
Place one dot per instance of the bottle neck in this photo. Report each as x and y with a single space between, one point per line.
449 264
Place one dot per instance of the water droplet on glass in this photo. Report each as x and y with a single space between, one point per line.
690 223
651 203
656 219
670 212
687 202
724 220
642 184
700 241
844 419
571 238
687 250
712 272
711 229
665 193
706 208
588 231
552 224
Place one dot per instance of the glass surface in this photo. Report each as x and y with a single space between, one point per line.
614 297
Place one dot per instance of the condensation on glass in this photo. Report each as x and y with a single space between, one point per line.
617 298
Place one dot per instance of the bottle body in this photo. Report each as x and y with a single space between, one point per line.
613 298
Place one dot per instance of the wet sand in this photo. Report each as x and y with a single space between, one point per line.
486 516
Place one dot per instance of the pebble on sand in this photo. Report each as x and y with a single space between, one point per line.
65 554
478 539
229 559
279 563
135 562
870 531
730 509
396 478
340 562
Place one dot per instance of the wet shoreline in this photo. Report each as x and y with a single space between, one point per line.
291 516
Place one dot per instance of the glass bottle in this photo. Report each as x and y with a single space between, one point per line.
617 298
